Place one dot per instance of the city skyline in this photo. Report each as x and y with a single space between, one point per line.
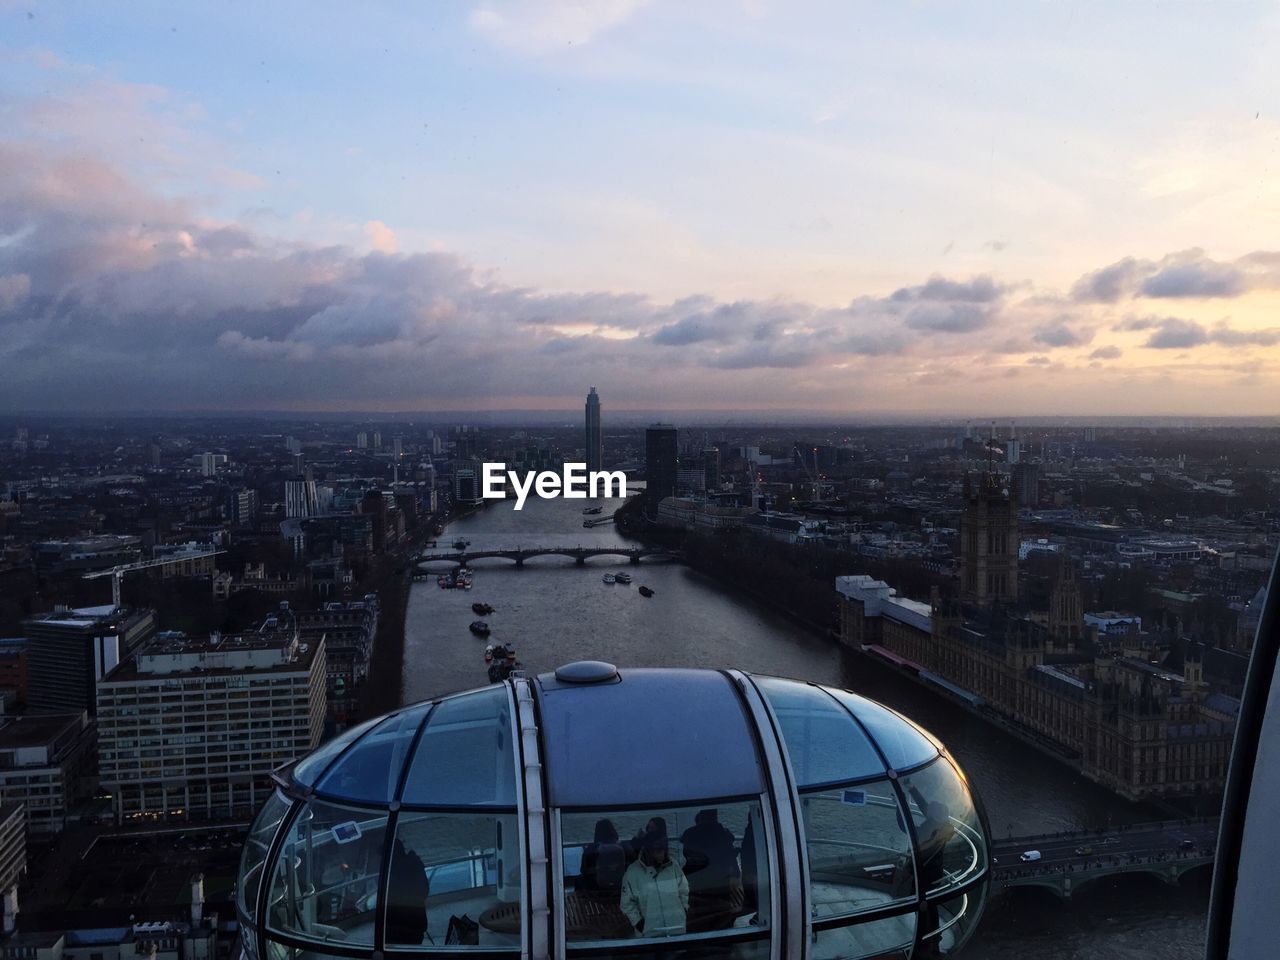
908 213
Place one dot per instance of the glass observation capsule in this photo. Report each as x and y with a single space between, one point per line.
603 813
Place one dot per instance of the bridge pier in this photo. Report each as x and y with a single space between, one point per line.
580 560
635 560
519 560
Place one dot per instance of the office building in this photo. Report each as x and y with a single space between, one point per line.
194 727
300 498
44 762
70 650
594 439
362 441
661 464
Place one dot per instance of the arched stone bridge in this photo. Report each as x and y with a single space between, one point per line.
578 555
1068 861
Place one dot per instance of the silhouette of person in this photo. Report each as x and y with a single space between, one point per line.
711 867
407 892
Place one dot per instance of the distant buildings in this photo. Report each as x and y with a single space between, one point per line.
194 727
594 438
661 465
1140 730
70 650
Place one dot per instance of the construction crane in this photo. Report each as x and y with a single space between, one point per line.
117 573
814 476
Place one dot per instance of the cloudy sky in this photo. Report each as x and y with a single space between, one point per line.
933 209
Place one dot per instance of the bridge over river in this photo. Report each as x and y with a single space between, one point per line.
1166 850
519 555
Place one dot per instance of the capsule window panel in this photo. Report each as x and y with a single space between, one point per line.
903 743
859 850
256 846
824 744
459 871
325 881
953 851
691 873
950 922
370 771
890 938
465 756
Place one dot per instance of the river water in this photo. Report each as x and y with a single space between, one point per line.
554 612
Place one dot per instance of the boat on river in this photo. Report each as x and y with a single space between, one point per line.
645 591
481 608
609 578
501 660
624 578
479 628
592 511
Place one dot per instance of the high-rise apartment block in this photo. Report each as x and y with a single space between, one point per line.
195 726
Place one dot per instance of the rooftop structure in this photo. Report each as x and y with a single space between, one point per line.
641 812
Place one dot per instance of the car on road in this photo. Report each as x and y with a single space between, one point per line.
1083 851
1186 843
1030 856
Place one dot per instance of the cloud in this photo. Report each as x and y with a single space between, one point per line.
980 289
948 318
1109 352
1173 333
1061 333
381 237
1185 274
550 25
1108 284
1195 278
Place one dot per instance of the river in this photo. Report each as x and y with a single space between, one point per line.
553 612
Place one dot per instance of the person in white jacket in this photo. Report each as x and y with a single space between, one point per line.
655 893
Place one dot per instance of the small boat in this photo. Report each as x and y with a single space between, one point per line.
479 628
592 511
481 608
501 658
609 578
622 577
645 591
461 544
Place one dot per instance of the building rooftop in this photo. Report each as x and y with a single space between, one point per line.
36 730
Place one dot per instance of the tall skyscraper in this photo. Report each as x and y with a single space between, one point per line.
595 440
661 462
989 542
